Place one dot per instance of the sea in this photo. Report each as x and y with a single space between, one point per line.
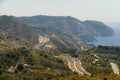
111 40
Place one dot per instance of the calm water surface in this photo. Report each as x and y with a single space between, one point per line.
109 41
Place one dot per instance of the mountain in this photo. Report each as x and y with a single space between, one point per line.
98 28
12 26
68 32
80 30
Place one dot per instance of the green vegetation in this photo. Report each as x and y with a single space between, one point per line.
38 64
101 76
31 64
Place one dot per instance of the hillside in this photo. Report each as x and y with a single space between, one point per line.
12 26
102 62
23 63
98 28
8 41
79 30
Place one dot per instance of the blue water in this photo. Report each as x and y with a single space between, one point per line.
109 41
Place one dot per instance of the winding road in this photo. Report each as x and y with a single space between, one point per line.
75 65
115 68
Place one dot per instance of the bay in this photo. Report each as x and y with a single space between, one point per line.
109 41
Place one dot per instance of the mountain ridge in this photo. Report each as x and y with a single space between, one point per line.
81 30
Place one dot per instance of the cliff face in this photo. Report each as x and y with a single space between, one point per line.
80 30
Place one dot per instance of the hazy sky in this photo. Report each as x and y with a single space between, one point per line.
102 10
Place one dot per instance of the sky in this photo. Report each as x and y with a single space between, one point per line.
102 10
